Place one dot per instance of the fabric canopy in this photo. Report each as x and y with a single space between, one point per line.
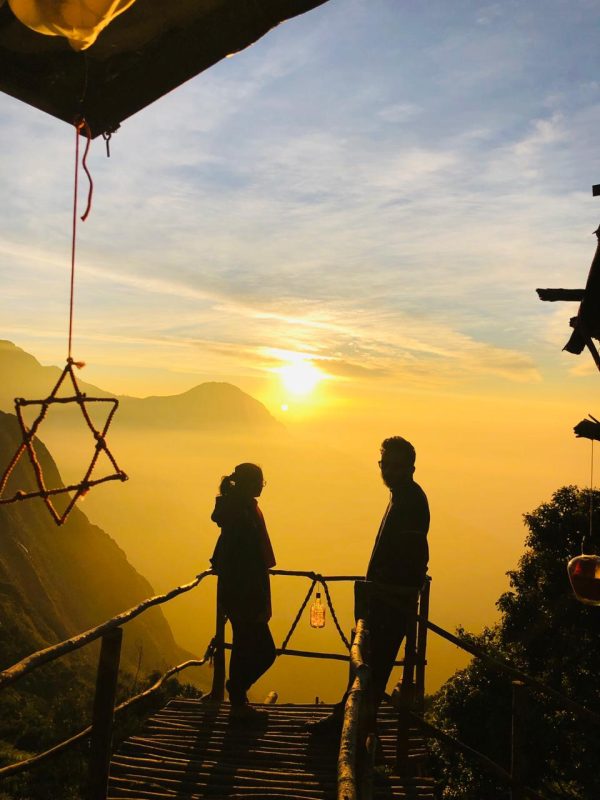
106 59
79 21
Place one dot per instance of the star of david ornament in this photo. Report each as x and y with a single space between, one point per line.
28 434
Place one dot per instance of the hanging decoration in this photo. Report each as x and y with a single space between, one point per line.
584 570
317 613
584 574
28 433
79 21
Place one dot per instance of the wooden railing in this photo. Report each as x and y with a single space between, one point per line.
110 632
104 710
357 742
358 738
407 700
416 635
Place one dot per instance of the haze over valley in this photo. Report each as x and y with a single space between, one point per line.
323 503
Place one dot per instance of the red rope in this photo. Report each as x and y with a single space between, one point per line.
79 126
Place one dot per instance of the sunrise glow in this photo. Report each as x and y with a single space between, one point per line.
300 378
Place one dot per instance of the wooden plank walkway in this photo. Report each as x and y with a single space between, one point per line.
190 750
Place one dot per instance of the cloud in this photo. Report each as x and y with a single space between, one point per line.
387 197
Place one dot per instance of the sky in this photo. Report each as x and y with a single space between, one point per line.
378 185
374 190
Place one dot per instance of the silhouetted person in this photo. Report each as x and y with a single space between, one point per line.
396 570
242 559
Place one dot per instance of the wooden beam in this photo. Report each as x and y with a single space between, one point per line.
552 295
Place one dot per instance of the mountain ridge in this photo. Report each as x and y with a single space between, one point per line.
212 405
68 579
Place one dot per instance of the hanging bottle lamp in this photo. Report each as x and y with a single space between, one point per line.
317 613
584 574
584 569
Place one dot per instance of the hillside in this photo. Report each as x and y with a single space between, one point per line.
55 582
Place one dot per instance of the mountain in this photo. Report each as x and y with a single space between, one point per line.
209 406
55 582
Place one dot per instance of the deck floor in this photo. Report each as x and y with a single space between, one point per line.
190 750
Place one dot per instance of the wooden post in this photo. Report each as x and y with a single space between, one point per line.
217 692
103 714
422 645
351 674
518 762
406 690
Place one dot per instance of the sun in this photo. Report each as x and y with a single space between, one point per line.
300 378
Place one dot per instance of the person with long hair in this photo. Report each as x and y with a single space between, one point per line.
242 559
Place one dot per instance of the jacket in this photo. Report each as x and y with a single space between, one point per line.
242 558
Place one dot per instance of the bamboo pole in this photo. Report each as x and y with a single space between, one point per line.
484 761
565 702
347 779
75 642
352 739
22 766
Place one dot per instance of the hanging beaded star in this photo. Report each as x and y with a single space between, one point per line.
27 445
28 433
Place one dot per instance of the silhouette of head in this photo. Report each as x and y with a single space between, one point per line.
245 480
397 460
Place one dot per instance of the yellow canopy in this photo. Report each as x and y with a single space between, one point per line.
79 21
139 56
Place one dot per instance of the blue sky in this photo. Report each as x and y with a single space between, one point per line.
379 184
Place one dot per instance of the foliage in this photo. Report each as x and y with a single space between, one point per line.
49 706
548 634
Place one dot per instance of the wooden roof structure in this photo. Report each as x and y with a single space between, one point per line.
147 51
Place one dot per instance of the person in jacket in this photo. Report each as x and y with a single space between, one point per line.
396 571
242 558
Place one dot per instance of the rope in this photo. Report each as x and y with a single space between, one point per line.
298 615
27 444
333 615
82 125
316 578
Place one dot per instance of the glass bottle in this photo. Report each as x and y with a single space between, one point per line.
317 613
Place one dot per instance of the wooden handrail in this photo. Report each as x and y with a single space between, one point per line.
21 766
490 766
515 673
315 575
354 714
48 654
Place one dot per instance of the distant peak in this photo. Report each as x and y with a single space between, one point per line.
10 349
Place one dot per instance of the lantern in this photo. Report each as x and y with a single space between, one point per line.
317 613
79 21
584 574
